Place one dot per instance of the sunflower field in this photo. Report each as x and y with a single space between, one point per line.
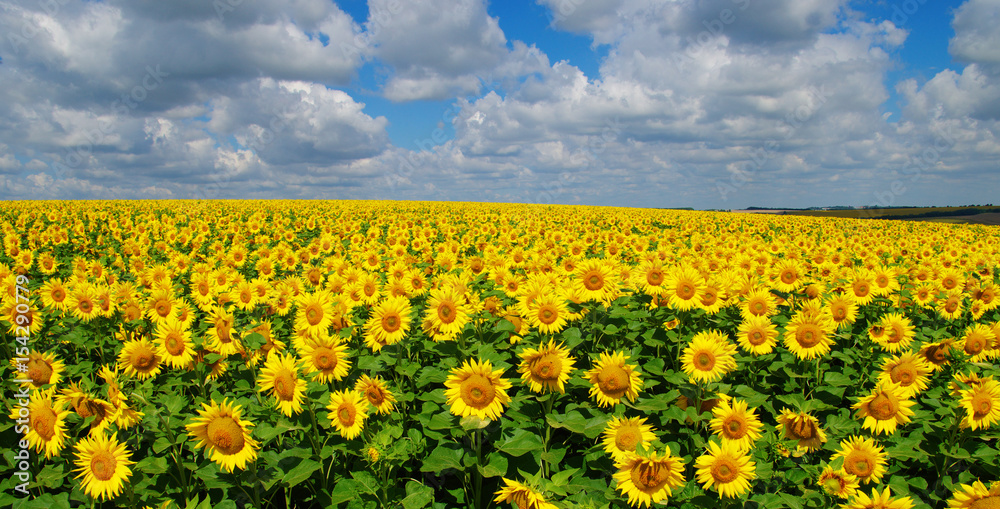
228 354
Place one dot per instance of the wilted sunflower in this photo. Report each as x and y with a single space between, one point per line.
103 463
975 496
837 483
757 335
708 357
612 379
883 500
734 423
476 389
376 392
726 468
46 429
884 409
802 428
139 359
520 496
982 405
280 375
863 458
547 368
647 480
225 436
348 411
623 435
388 324
173 343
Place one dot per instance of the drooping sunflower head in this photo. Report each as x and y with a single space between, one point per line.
884 409
612 378
801 427
547 368
280 375
648 480
475 389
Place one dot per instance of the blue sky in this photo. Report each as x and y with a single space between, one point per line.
650 103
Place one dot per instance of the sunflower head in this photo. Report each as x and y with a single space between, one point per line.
476 389
220 429
612 378
547 368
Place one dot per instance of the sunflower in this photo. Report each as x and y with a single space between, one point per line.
596 280
862 287
612 378
376 392
884 409
280 375
348 411
315 311
224 435
103 463
82 303
952 306
787 276
725 467
897 333
883 500
759 302
388 324
547 313
160 305
649 277
909 371
808 336
46 429
43 368
138 358
54 294
975 496
708 357
476 389
757 335
547 368
936 354
684 286
220 337
843 310
622 436
734 423
978 341
521 496
863 458
803 428
447 312
647 480
837 483
173 343
981 404
327 357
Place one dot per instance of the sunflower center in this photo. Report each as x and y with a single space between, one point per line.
807 337
375 396
142 359
103 465
654 277
627 438
43 421
839 313
832 485
990 502
758 308
649 478
685 291
884 406
704 361
174 344
478 391
951 306
446 312
39 371
86 306
547 314
346 413
284 387
58 295
981 405
547 367
314 314
593 281
735 427
613 381
390 323
324 358
974 345
226 435
724 471
861 467
861 289
903 374
756 338
787 277
162 308
802 429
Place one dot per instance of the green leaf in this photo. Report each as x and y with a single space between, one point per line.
254 340
300 472
344 491
496 466
839 380
417 496
562 478
368 483
521 442
443 456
